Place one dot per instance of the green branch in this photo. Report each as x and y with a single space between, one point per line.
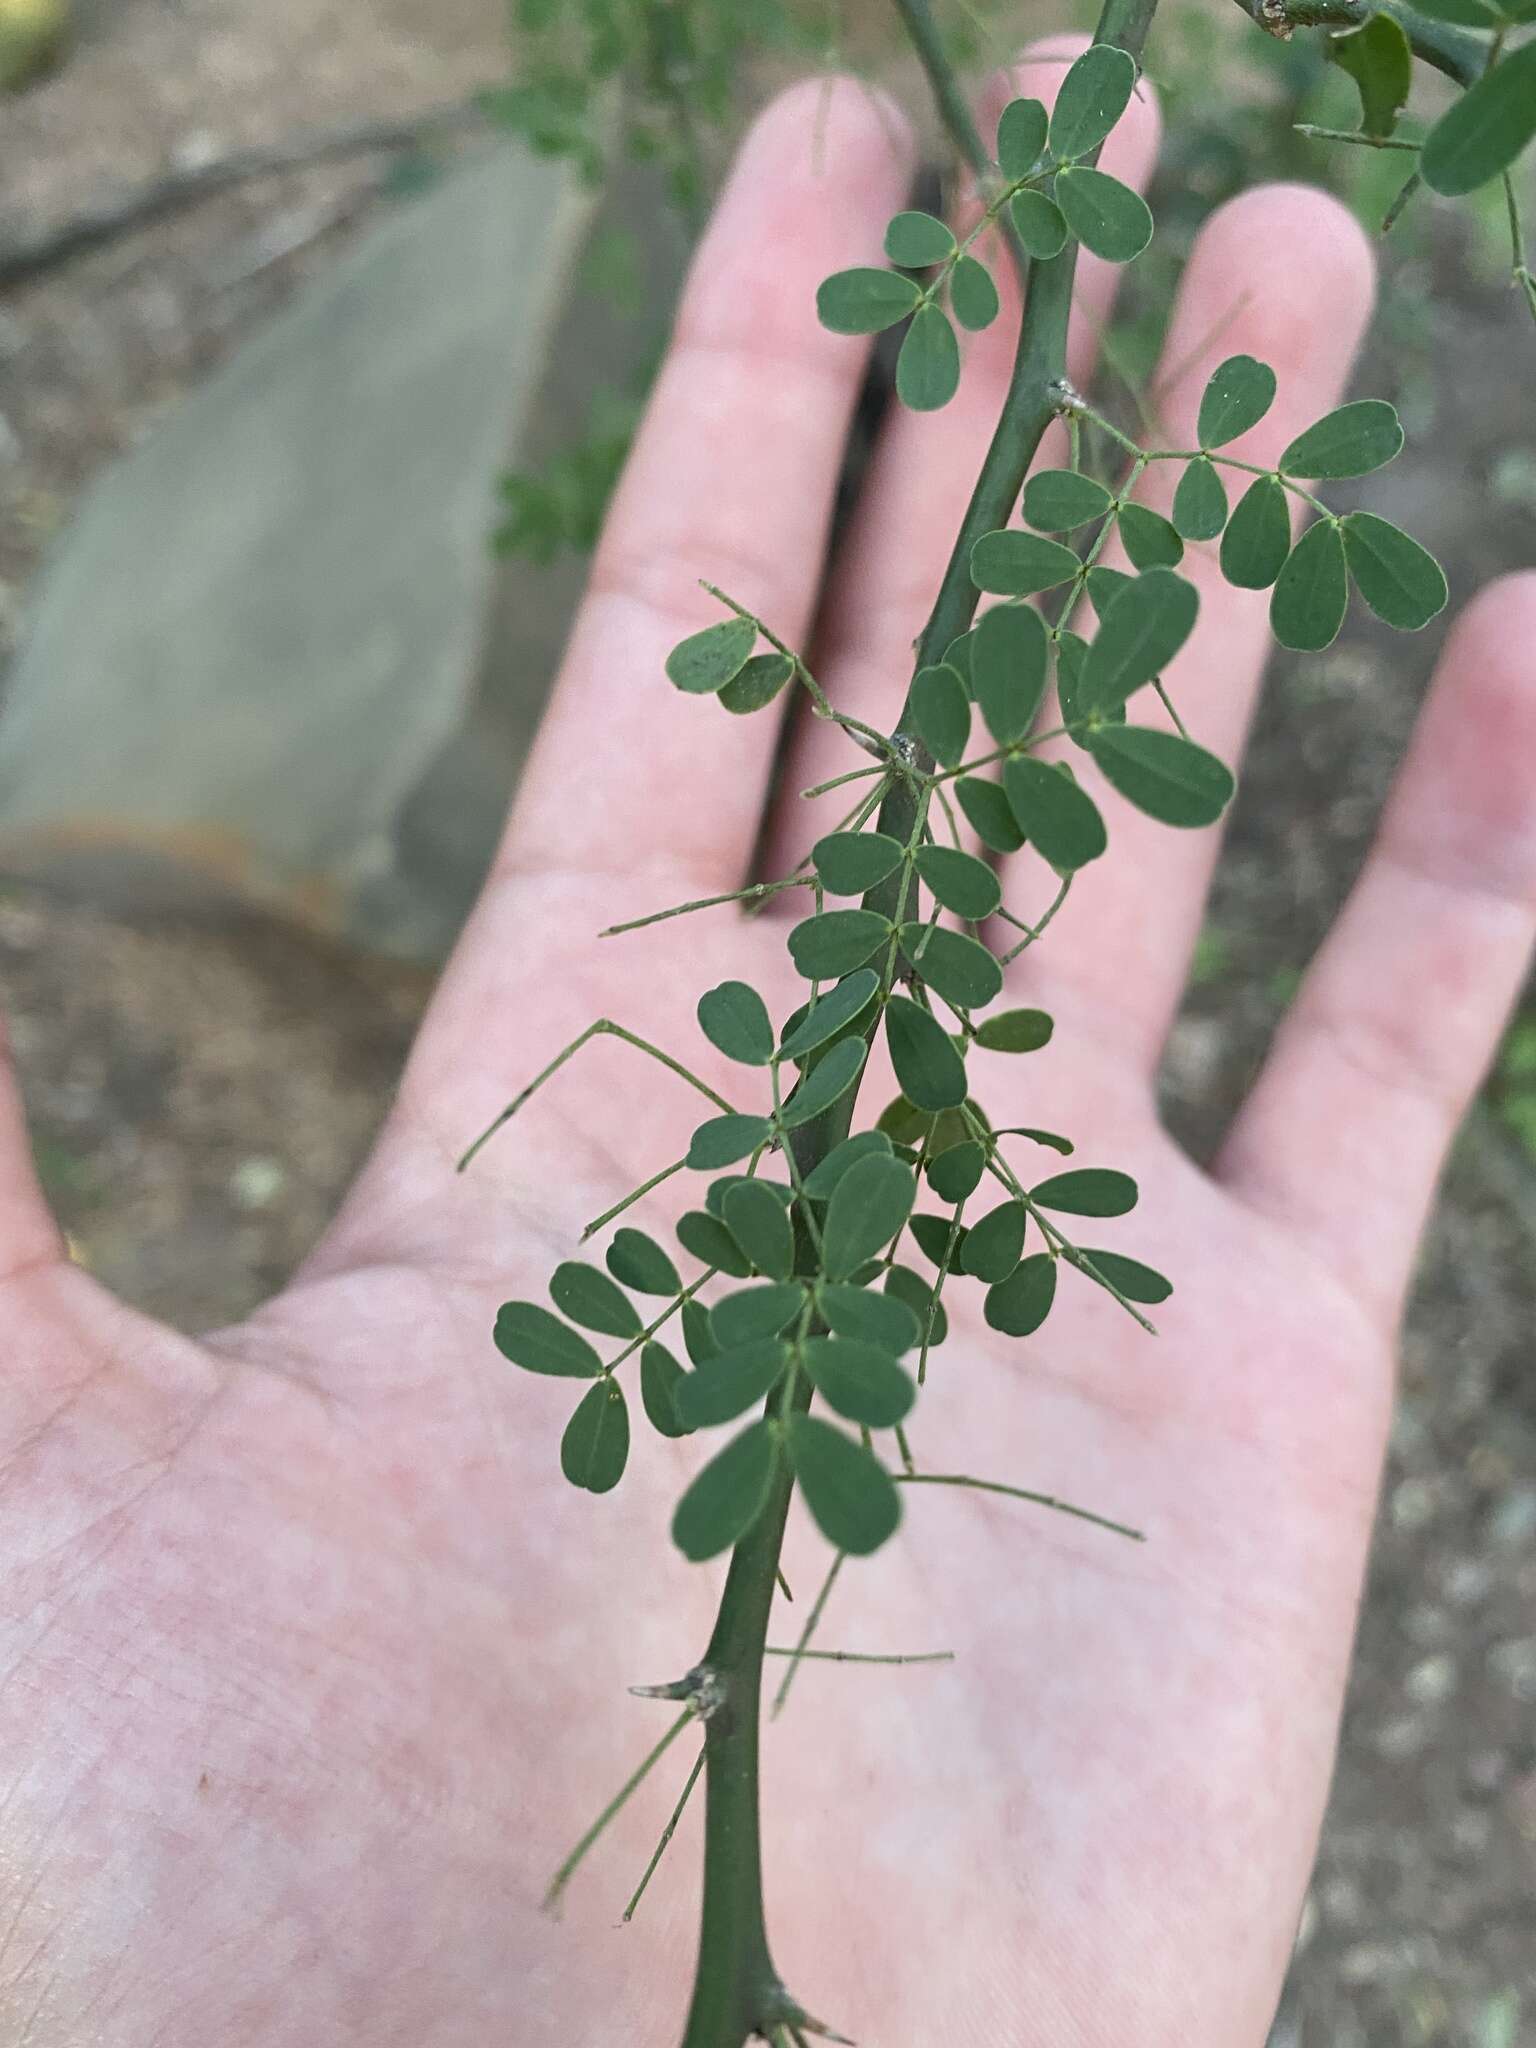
737 1992
1459 53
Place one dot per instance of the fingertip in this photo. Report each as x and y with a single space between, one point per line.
817 176
1302 223
1497 629
835 127
1285 273
1471 779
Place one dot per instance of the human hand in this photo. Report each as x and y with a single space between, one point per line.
314 1665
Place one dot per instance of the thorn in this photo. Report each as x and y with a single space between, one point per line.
704 1689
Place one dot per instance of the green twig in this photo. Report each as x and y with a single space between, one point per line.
603 1028
736 1990
753 893
811 1620
1039 1500
567 1870
861 1656
1457 52
666 1835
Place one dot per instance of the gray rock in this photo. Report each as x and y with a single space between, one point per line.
268 620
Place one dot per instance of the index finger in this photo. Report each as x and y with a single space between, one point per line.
732 478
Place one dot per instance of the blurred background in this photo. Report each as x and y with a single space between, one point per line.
323 329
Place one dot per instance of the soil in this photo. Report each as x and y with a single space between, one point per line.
202 1080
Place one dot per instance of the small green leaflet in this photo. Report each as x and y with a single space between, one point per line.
972 295
590 1298
915 240
1200 502
1240 391
1107 217
868 1318
735 1020
994 1246
1379 58
1163 774
722 1140
1020 1304
941 711
1088 1191
727 1496
760 1224
989 813
865 301
1013 564
960 882
1258 536
1149 539
956 1173
755 686
1483 132
539 1342
1021 137
1142 631
1093 96
660 1376
851 862
638 1261
754 1314
928 367
837 1008
850 1494
1132 1279
1056 500
869 1205
714 1198
929 1069
729 1385
1071 658
824 1178
1104 586
825 1082
940 1239
957 655
697 1333
706 661
835 942
1054 813
958 966
1038 223
913 1290
707 1238
595 1447
1351 441
1311 593
1056 1142
1400 581
1015 1031
860 1381
1010 651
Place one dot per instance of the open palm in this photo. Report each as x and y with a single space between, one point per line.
314 1665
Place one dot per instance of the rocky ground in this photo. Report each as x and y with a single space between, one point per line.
202 1081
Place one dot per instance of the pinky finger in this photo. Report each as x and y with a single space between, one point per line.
1348 1126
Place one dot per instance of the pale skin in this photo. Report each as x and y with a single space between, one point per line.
314 1666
